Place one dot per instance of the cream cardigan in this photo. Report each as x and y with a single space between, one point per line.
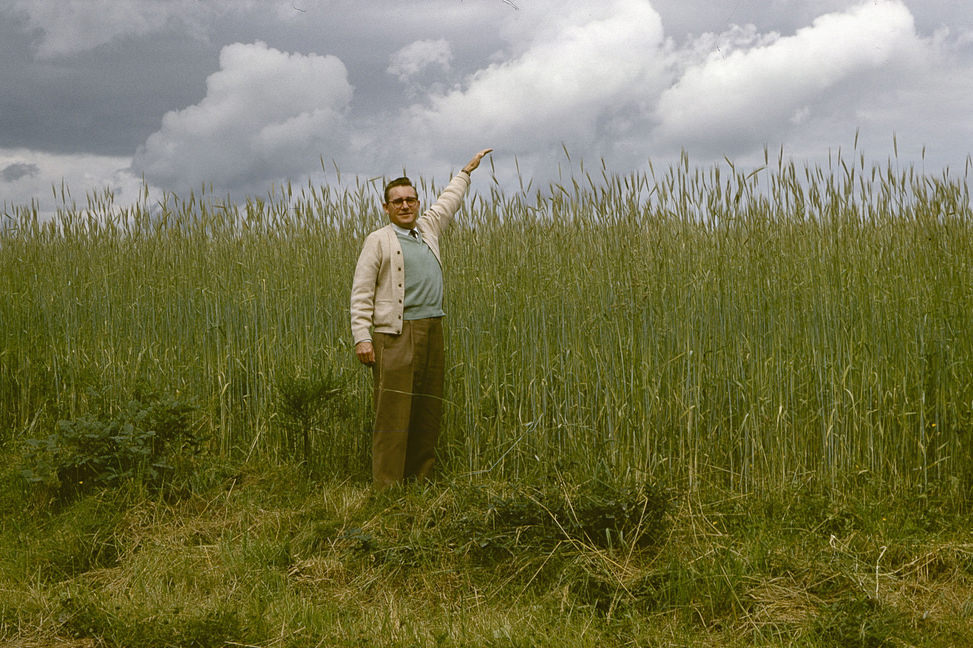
378 289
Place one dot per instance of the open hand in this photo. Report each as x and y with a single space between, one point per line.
475 162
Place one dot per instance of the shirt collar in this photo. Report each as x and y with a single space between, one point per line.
405 232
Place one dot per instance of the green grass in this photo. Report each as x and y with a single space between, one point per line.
783 352
262 559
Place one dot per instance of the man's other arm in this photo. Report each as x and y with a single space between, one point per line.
363 299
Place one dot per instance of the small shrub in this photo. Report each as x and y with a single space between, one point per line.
143 440
307 404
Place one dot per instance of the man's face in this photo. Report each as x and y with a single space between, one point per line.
403 206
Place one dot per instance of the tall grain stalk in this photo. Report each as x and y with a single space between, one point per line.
755 326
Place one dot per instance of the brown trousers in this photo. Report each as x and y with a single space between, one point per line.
408 397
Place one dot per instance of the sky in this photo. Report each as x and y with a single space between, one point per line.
242 96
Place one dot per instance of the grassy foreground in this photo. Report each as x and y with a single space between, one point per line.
265 557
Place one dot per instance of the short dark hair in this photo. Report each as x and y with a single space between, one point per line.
398 182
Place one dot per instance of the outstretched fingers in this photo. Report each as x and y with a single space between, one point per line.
475 162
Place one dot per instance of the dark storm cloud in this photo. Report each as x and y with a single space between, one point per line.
104 101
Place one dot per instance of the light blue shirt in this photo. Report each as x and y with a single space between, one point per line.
423 277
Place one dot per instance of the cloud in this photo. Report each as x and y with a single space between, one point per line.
18 170
266 115
583 65
70 26
29 176
749 95
417 56
435 83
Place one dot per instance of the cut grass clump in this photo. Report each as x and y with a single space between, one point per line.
862 621
88 616
82 536
538 519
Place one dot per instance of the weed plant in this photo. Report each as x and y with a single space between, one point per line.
148 440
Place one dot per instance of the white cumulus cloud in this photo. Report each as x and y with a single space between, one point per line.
585 64
755 94
267 115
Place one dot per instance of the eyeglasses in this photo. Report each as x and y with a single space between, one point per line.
410 201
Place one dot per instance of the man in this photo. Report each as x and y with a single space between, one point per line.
396 322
